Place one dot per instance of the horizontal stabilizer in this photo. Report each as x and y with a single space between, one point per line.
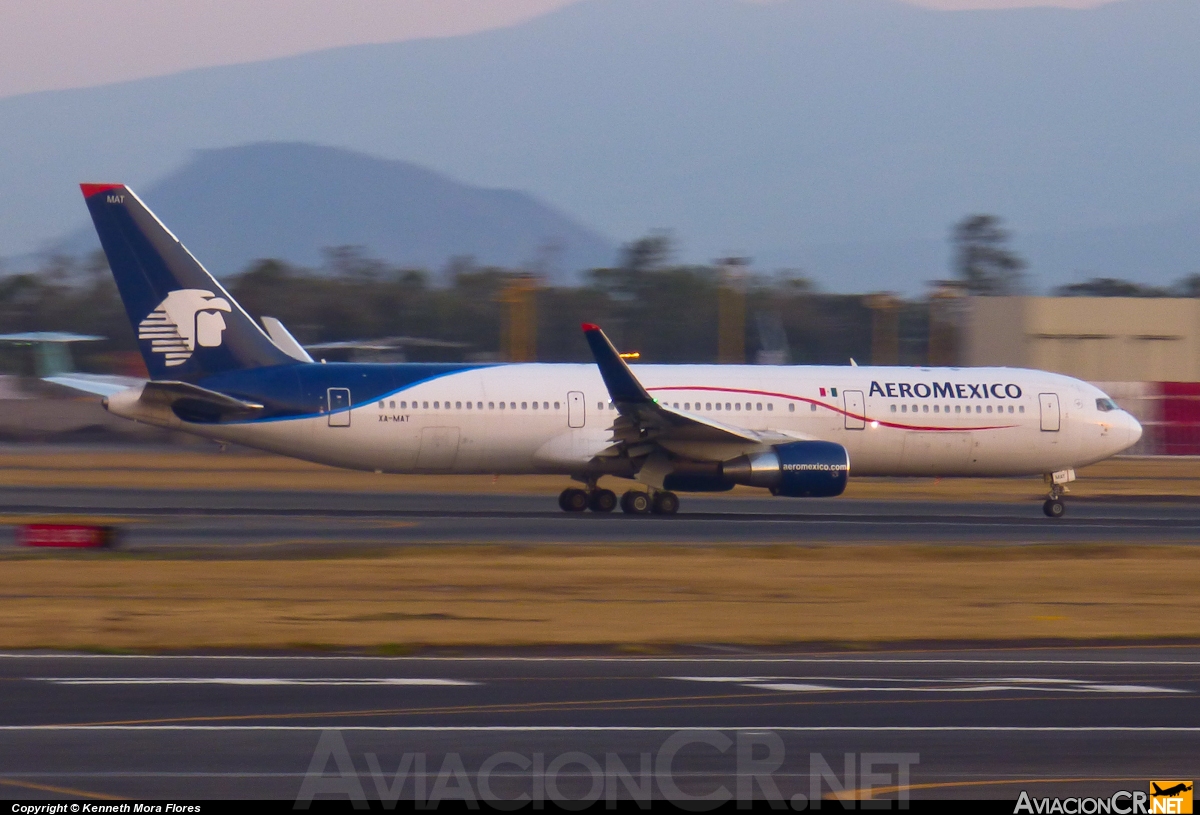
193 403
284 340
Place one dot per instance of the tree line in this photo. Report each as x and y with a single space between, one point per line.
646 302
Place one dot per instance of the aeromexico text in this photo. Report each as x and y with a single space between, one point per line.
946 390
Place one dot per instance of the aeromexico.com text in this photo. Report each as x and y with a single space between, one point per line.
946 390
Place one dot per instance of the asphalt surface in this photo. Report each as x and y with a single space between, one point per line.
152 519
961 724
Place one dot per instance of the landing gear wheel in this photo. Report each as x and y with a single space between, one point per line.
666 503
1054 508
635 502
603 501
573 499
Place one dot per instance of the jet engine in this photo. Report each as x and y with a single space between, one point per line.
800 469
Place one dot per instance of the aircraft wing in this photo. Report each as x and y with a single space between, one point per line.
643 420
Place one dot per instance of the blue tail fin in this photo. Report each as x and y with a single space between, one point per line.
188 326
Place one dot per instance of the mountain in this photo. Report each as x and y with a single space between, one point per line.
290 201
824 134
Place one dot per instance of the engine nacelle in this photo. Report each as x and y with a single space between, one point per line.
799 469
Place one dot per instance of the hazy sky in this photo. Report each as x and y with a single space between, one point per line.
51 44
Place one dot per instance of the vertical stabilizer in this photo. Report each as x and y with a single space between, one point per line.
187 325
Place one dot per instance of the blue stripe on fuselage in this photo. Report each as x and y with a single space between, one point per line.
297 391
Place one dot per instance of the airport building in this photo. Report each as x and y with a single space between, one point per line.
1143 351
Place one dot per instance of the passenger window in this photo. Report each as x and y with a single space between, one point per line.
524 406
759 406
381 405
687 405
737 406
425 405
935 408
958 408
535 405
989 408
479 405
491 405
556 405
458 405
812 407
708 405
468 405
1021 409
512 405
893 408
946 409
925 408
1010 410
435 405
770 406
404 405
599 406
792 407
914 408
904 408
502 406
676 405
979 408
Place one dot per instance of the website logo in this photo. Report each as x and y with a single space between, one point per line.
1171 797
188 319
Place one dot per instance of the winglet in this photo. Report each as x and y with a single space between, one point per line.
622 385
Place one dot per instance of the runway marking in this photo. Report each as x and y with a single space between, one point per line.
742 701
30 785
956 685
221 680
859 794
600 728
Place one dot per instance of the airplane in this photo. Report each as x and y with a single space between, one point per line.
791 429
1170 792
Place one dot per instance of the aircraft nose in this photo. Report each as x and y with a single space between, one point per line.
1135 429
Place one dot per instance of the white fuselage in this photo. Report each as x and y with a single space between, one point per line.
555 418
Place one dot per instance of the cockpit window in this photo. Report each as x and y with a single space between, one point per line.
1105 405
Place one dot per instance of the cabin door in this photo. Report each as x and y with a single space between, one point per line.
575 409
439 449
855 410
339 407
1050 415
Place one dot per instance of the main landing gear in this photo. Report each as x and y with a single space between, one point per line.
633 502
660 502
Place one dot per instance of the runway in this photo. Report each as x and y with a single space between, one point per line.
960 724
174 519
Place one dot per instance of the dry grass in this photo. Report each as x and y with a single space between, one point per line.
639 598
210 470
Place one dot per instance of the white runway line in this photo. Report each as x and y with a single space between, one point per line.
599 728
824 684
235 680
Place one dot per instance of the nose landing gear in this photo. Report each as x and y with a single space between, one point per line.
1054 506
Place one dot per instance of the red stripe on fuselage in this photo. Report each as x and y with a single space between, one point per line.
794 398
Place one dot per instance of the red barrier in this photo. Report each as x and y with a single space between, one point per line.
73 536
1181 418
